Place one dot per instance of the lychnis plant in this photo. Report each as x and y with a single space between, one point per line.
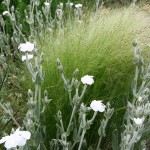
138 111
33 121
73 136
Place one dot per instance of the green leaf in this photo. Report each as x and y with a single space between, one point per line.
39 136
59 129
76 137
70 128
115 142
90 148
134 87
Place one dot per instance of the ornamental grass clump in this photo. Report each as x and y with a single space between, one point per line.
100 45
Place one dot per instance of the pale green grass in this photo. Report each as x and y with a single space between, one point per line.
101 45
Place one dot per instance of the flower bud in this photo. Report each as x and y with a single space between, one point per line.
46 101
76 84
31 103
61 6
30 93
59 115
60 67
41 58
12 8
109 113
64 136
134 43
75 73
29 123
83 108
29 114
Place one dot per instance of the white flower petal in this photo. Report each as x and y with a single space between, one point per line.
69 4
47 4
20 141
78 6
18 138
87 80
26 47
140 98
26 134
5 13
139 121
29 56
3 139
11 143
30 46
97 106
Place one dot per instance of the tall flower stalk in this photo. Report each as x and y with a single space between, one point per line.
138 110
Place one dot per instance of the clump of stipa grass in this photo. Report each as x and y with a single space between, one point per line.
99 45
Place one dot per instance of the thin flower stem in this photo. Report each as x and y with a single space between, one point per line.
95 113
72 115
84 89
82 137
120 109
61 123
99 142
15 121
70 98
36 92
23 36
64 79
39 101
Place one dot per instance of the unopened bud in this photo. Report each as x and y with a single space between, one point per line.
76 84
29 114
59 115
31 103
63 136
134 43
60 67
30 93
83 108
75 73
12 8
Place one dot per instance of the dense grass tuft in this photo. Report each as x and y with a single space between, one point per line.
100 45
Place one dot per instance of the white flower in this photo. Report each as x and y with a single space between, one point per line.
46 3
18 138
5 13
87 80
139 98
78 6
97 106
61 6
138 121
29 56
69 4
26 47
